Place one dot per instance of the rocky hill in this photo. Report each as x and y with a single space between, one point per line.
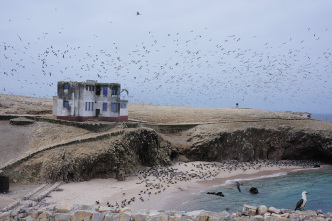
53 150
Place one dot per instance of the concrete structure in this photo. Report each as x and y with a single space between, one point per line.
302 114
82 101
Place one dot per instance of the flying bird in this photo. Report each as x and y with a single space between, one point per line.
301 203
238 186
138 13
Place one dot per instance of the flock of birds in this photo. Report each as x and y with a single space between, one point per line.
156 180
185 68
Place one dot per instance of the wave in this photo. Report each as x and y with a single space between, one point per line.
232 181
305 169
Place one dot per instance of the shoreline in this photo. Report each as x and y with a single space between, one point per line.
182 195
152 190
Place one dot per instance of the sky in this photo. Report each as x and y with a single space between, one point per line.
271 55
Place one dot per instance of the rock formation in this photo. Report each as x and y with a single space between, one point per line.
252 143
113 157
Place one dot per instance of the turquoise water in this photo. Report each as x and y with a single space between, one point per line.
281 191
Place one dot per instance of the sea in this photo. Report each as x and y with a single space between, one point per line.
281 190
322 117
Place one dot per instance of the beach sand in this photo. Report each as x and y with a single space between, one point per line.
165 194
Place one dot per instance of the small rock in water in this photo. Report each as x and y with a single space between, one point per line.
253 190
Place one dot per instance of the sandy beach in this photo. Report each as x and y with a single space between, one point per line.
161 188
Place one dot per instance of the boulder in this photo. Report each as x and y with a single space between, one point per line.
257 218
261 210
249 210
307 213
274 210
224 215
286 211
103 209
126 216
253 190
62 217
4 215
242 218
46 215
64 208
82 215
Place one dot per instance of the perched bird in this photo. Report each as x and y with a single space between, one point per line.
97 202
301 203
138 13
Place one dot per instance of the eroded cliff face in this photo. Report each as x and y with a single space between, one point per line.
112 157
249 144
119 155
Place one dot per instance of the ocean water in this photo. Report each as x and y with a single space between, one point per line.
322 117
280 190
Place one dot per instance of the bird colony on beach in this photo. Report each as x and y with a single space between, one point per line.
187 68
156 180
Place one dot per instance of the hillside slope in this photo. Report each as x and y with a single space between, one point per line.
49 150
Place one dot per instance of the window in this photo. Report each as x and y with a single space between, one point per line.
66 86
86 106
105 90
114 107
66 103
123 105
104 106
93 88
87 87
92 106
97 90
89 105
114 90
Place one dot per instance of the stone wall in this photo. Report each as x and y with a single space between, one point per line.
67 212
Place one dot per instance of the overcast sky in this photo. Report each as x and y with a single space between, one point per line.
271 55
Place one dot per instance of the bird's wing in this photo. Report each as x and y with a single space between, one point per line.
238 187
298 205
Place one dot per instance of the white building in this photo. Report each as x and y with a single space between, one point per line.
81 101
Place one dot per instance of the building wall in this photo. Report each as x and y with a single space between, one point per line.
83 101
124 110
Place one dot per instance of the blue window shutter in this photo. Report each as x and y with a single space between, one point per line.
113 107
105 91
104 106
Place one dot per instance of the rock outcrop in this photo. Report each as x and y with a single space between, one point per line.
251 143
109 157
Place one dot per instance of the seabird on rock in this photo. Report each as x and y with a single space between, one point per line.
301 203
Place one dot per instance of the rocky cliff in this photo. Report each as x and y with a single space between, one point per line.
108 157
211 143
